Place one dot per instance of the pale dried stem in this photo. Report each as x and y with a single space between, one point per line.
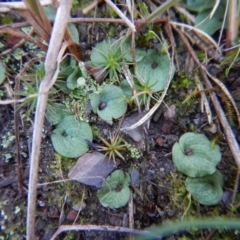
7 6
121 15
204 99
232 28
223 23
65 228
50 77
5 102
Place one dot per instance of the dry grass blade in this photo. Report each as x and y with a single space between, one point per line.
50 77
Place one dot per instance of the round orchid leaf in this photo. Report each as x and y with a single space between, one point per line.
195 156
69 137
153 69
206 190
115 191
110 103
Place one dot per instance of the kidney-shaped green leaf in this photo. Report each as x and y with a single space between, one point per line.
110 103
194 155
206 190
69 137
153 69
115 192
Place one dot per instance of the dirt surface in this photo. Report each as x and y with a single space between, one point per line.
158 189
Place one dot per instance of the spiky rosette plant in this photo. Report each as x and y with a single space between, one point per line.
114 147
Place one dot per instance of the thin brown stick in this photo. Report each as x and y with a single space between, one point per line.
232 143
65 228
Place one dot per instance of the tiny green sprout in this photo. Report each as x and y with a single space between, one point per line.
113 148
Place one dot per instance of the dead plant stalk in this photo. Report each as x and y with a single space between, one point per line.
60 24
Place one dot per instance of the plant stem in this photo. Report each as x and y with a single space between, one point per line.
65 228
50 67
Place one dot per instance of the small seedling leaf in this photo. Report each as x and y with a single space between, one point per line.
72 78
74 32
206 190
194 156
153 69
115 191
110 103
2 73
69 137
